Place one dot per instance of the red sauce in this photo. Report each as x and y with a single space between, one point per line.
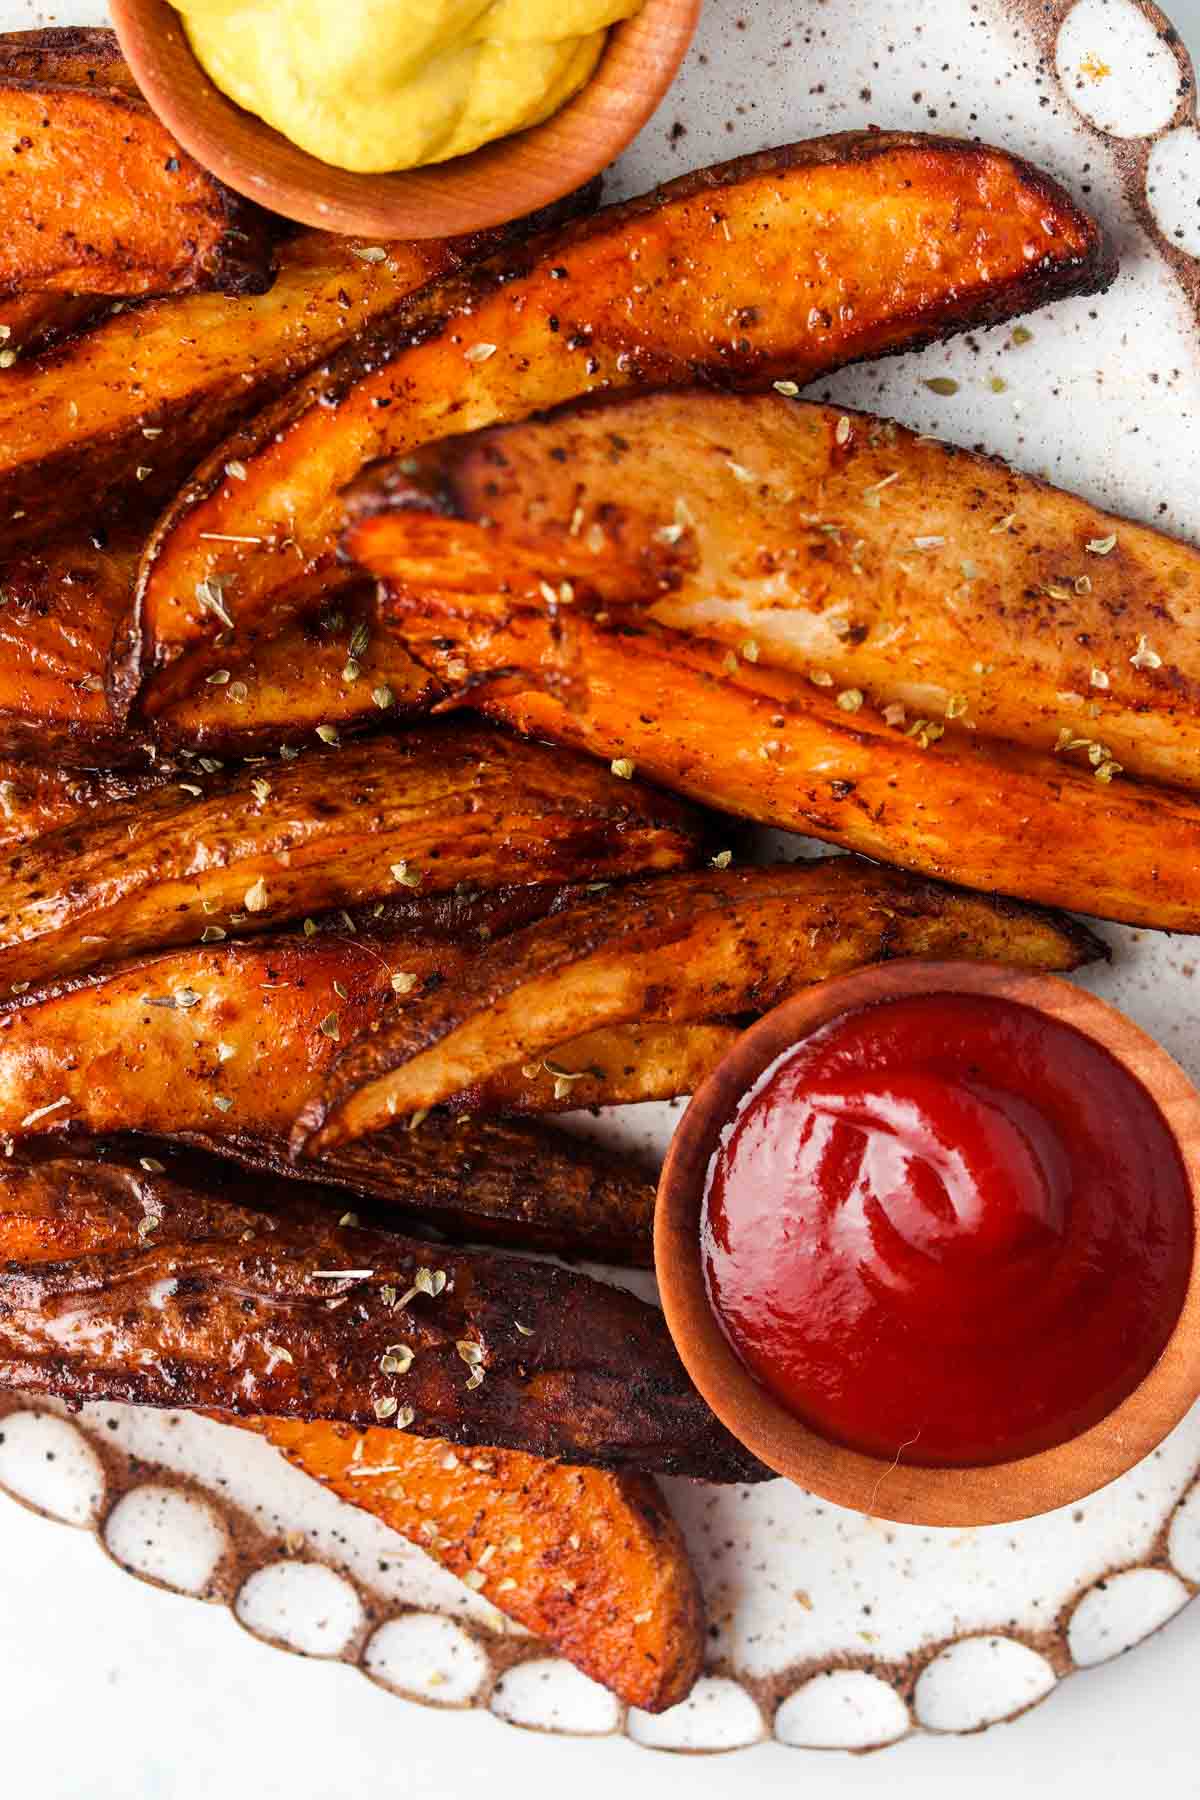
949 1226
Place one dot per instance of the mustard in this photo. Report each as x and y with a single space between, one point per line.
372 85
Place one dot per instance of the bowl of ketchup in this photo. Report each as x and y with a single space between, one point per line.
926 1241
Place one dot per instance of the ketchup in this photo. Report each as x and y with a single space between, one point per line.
949 1228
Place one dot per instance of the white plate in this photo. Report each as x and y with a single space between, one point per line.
828 1629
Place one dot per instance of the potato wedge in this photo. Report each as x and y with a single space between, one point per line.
474 1346
70 55
601 1571
789 263
248 849
33 321
63 607
682 949
232 1037
489 1181
333 669
109 423
768 745
129 1048
35 801
591 1562
832 544
99 198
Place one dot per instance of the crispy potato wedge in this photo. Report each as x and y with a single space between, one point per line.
683 949
232 1037
32 321
474 1346
62 607
129 1048
590 1561
69 55
768 745
789 263
65 605
247 850
835 545
491 1181
333 669
100 199
107 424
35 801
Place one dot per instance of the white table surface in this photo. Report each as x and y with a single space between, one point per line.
110 1688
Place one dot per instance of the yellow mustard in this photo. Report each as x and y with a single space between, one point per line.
371 85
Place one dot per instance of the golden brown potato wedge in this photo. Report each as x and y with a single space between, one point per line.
35 801
683 949
840 547
250 848
334 669
63 607
234 1036
789 263
108 423
99 198
231 1311
590 1561
489 1181
768 745
32 321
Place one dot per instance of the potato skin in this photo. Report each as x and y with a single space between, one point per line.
735 288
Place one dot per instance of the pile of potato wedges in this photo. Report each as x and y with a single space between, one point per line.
394 639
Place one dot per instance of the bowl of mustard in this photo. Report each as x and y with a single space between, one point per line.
408 118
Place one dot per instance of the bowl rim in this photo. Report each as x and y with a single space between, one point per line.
997 1493
641 57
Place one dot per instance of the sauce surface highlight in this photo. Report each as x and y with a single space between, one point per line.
373 85
948 1226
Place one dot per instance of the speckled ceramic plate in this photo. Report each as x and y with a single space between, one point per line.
827 1629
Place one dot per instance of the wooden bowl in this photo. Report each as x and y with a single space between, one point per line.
911 1495
502 181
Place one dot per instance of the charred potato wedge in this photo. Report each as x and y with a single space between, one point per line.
490 1181
591 1561
842 548
683 949
476 1347
100 199
767 744
78 56
106 425
247 849
786 264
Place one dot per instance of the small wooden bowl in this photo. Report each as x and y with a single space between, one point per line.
917 1496
503 181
